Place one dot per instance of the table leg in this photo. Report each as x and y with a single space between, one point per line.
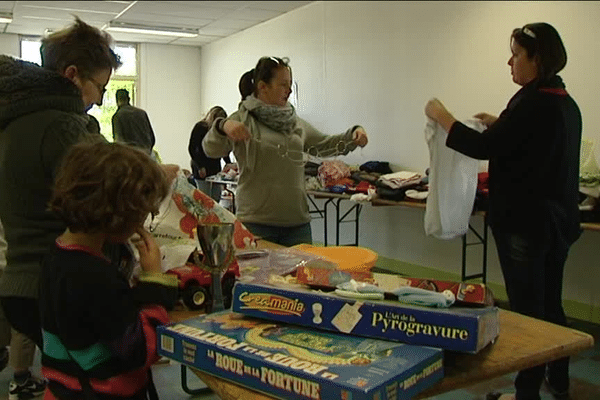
184 385
325 206
482 239
357 208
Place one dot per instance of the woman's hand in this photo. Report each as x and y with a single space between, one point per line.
436 111
486 119
236 131
149 252
434 108
359 137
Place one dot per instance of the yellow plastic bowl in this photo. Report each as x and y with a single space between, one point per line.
348 258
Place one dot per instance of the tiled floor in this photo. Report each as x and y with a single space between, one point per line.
585 378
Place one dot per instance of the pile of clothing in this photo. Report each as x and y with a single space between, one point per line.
371 177
589 182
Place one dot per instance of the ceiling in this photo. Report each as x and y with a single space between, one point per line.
213 19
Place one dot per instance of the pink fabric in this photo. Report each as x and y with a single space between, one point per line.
331 172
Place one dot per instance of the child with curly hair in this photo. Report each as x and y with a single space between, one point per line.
99 332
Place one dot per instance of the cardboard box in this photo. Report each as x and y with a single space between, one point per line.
461 329
292 362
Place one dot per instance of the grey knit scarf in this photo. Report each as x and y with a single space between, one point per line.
278 118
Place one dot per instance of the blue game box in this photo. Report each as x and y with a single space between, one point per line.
291 362
460 329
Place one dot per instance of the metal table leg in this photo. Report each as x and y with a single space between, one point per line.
325 207
482 239
184 385
357 208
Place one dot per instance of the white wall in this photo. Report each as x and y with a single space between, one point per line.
377 64
170 94
9 45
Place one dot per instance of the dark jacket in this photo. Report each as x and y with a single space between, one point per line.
41 116
533 150
93 126
132 125
199 158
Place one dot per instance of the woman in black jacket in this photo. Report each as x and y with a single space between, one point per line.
202 165
533 148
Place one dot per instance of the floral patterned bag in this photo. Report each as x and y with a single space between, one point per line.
174 227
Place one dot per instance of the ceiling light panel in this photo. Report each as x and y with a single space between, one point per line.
125 27
5 17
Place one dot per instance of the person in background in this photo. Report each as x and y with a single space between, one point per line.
131 124
533 148
97 330
22 351
203 166
42 113
268 140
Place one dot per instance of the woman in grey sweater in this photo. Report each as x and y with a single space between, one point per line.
268 140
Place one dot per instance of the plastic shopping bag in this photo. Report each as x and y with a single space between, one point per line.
452 184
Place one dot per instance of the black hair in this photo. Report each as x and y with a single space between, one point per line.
264 71
214 113
541 41
122 95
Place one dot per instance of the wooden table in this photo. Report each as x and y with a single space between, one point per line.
523 342
590 226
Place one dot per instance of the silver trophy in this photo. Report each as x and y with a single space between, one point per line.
216 241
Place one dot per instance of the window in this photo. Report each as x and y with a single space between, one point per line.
30 50
126 77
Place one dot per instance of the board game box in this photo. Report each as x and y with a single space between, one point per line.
291 362
461 329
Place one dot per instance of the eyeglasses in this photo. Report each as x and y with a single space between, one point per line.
98 85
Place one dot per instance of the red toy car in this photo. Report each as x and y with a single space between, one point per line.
195 281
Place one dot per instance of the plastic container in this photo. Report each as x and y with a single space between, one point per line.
348 258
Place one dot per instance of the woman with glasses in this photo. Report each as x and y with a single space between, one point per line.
42 113
268 140
533 148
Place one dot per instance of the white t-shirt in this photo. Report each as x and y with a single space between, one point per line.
452 184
